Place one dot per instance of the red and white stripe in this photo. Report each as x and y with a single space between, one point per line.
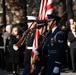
46 8
35 46
35 42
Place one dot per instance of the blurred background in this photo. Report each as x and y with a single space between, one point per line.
14 11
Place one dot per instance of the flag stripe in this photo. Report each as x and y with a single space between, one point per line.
46 8
50 6
41 9
49 2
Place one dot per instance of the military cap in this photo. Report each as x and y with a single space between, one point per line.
31 18
41 23
53 17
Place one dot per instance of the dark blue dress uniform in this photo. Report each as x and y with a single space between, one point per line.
29 44
27 54
40 63
54 45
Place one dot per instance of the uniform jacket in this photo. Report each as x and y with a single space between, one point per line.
55 45
28 43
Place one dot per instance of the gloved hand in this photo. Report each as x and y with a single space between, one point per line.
15 47
36 52
36 57
56 70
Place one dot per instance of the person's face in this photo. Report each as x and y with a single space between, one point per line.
15 31
71 21
75 23
29 24
32 24
9 30
52 23
72 27
3 29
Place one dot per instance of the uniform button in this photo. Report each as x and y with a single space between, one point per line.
47 44
48 55
32 34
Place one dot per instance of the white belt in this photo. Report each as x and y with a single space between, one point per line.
29 47
1 47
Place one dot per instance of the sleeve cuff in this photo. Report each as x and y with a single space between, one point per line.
57 62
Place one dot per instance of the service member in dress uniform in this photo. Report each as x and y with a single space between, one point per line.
29 44
54 46
39 64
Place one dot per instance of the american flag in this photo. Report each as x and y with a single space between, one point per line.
46 8
35 46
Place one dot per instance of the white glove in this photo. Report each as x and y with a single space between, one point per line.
56 70
15 47
36 52
68 43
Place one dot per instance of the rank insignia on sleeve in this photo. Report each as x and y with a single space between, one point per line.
60 41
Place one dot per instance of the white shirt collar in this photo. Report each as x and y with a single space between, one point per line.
74 33
54 29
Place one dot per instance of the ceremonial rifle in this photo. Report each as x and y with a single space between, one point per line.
19 43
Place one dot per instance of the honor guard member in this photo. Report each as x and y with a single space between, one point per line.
41 26
54 45
29 44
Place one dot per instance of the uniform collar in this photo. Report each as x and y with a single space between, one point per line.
74 33
54 29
